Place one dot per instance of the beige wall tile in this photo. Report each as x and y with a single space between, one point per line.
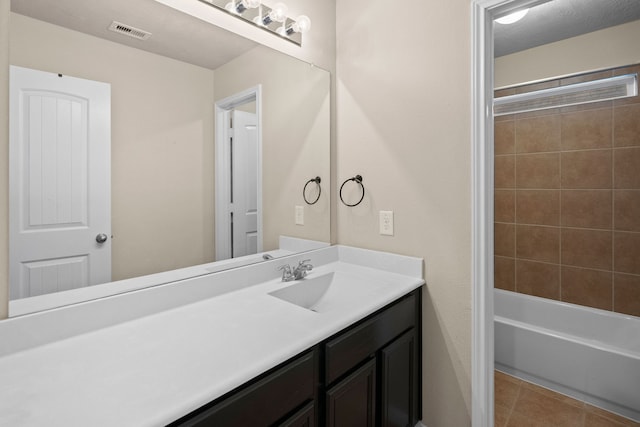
504 236
587 129
626 131
627 210
504 273
627 168
538 134
587 208
626 252
505 172
504 138
591 288
587 248
586 169
627 294
538 207
538 243
539 171
505 205
539 279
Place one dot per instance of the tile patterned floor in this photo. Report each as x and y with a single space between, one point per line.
522 404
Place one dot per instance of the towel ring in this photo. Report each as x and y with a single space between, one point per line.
304 190
358 180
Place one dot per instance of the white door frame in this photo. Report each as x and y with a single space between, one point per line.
482 358
222 184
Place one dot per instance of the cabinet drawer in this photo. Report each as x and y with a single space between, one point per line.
350 348
265 401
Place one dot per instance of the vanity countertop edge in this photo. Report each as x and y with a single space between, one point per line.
153 369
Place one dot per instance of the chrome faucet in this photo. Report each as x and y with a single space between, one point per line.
300 272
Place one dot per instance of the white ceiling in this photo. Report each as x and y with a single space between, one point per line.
174 34
188 39
561 19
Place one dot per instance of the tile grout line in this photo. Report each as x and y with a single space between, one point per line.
560 215
613 210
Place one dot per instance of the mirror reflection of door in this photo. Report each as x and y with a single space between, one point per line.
238 175
244 184
60 214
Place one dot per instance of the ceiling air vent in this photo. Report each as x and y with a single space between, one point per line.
562 96
128 30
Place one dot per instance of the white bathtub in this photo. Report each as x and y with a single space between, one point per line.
592 355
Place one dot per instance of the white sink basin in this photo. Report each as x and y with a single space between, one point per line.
310 293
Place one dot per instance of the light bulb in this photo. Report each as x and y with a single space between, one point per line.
279 12
252 4
302 24
513 17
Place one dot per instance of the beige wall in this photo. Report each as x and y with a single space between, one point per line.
608 48
4 157
295 117
162 151
403 102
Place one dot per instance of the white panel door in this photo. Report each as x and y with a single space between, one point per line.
244 187
59 179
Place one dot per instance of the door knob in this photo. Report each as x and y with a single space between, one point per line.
101 238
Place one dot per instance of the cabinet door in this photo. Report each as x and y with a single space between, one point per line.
399 383
303 418
352 402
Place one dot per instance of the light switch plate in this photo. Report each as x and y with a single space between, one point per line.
386 223
299 215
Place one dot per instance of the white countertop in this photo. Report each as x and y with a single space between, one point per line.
151 370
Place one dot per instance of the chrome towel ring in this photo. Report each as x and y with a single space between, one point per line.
304 190
358 180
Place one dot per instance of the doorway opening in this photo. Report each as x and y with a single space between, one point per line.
238 175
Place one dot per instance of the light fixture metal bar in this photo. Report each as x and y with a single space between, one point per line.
253 17
564 96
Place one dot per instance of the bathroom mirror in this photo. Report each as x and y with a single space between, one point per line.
163 95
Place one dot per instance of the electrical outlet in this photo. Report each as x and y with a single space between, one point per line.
299 215
386 223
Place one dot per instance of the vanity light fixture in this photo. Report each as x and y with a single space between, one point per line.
240 6
277 14
301 25
513 17
273 19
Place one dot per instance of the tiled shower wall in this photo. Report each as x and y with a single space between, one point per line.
567 200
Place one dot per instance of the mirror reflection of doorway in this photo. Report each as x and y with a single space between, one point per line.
243 209
238 176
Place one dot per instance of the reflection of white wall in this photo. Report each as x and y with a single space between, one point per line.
612 47
295 118
162 154
4 158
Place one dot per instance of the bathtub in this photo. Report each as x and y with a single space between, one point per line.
589 354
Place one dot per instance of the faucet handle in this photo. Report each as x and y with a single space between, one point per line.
304 262
286 272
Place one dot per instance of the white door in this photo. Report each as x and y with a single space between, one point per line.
59 180
244 184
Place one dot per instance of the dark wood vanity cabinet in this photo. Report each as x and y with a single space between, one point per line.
367 375
373 369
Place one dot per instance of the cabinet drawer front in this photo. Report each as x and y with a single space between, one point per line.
266 401
352 347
